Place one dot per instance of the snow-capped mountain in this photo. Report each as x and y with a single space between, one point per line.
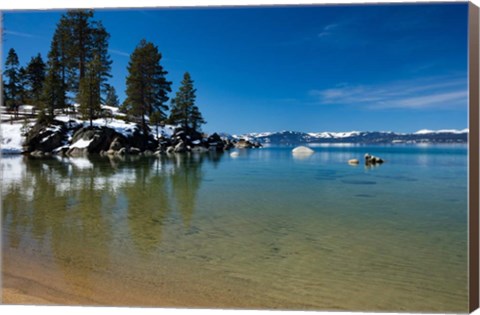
366 137
427 131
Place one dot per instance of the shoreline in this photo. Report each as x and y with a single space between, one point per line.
32 280
74 137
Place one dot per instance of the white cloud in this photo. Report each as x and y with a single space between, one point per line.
14 33
119 53
415 94
433 100
327 30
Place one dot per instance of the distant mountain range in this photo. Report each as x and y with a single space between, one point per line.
362 137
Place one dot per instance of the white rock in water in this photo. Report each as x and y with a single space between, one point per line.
302 150
353 162
234 154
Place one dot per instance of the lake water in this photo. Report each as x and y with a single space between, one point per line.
261 230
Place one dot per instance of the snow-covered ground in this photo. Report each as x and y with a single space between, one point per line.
12 138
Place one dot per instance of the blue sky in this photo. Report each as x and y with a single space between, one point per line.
309 68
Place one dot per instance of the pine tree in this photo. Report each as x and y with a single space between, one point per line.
12 84
35 78
54 88
61 44
99 50
80 39
4 94
78 26
147 87
112 98
184 111
196 118
90 90
23 86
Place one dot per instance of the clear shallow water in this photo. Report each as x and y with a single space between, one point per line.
264 230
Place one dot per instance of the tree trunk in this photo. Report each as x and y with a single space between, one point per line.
91 103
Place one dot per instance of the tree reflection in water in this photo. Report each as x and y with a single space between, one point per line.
76 209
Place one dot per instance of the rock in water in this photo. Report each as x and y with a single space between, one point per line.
234 154
242 144
302 150
353 162
116 144
122 151
76 152
180 147
134 151
372 160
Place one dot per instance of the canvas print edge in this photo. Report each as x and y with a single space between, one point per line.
473 156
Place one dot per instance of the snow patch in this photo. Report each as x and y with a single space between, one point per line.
80 144
11 138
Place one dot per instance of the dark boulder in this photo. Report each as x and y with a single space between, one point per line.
141 141
214 138
134 151
372 160
181 147
99 138
243 144
227 145
164 143
247 144
117 143
122 151
215 142
188 136
44 137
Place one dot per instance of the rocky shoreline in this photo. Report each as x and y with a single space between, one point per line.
74 139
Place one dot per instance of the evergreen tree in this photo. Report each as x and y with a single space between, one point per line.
12 81
54 88
147 87
196 118
112 98
184 111
80 39
90 90
76 25
23 86
35 77
4 95
99 50
61 44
